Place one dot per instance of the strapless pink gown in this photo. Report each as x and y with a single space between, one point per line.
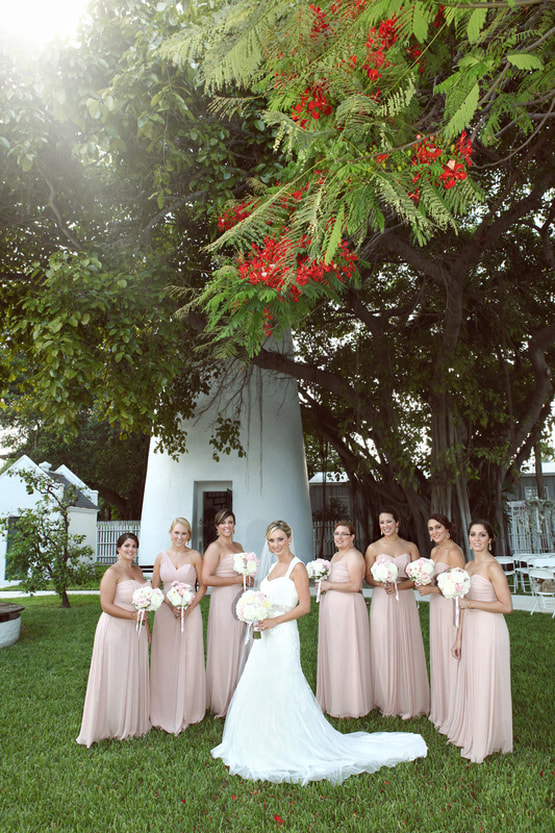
177 677
443 665
117 698
224 641
344 679
397 651
481 720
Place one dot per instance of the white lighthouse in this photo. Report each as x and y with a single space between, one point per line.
268 483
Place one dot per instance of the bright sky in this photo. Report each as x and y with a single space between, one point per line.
39 21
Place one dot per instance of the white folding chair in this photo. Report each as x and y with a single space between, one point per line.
522 564
542 582
508 565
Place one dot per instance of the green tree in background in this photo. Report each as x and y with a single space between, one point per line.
42 550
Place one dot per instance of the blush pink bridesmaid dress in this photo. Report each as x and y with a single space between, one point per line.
224 641
481 720
344 679
397 650
177 676
117 698
443 665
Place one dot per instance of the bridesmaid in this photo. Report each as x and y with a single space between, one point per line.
446 554
481 720
344 681
177 677
117 698
226 634
396 645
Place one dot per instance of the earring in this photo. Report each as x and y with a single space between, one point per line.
397 528
431 540
489 546
448 534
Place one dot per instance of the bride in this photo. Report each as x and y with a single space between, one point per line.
275 730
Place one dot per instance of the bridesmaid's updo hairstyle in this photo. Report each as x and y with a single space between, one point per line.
444 521
184 522
124 537
349 524
220 516
390 510
278 525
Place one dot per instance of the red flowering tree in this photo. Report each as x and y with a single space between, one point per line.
417 139
379 105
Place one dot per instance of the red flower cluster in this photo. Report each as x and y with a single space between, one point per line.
320 25
427 151
463 146
314 103
234 215
452 171
377 43
415 53
275 265
440 17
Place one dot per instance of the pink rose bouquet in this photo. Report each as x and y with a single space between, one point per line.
246 564
421 571
180 595
318 570
146 598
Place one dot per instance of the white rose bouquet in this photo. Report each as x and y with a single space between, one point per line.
386 572
146 598
246 564
252 607
180 595
454 584
421 571
318 570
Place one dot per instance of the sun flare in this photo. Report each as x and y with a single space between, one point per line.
40 21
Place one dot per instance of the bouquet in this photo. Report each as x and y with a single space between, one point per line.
318 570
384 571
246 564
180 595
146 598
421 571
253 605
454 584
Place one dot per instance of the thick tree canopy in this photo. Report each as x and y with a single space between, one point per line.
381 175
420 149
113 171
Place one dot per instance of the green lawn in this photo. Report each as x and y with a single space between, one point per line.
162 783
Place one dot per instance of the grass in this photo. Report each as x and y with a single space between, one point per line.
171 784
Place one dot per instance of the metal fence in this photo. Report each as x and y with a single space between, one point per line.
531 526
107 533
324 530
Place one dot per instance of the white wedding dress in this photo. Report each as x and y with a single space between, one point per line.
276 731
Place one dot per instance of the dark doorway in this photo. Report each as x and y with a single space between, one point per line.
212 502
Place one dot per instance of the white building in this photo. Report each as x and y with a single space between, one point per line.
268 483
14 497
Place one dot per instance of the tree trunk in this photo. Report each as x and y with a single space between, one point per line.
540 483
65 599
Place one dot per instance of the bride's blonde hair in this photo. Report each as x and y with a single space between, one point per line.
278 525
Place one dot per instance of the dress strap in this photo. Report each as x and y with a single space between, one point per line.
293 564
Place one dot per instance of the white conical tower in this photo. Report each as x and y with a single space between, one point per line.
269 483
